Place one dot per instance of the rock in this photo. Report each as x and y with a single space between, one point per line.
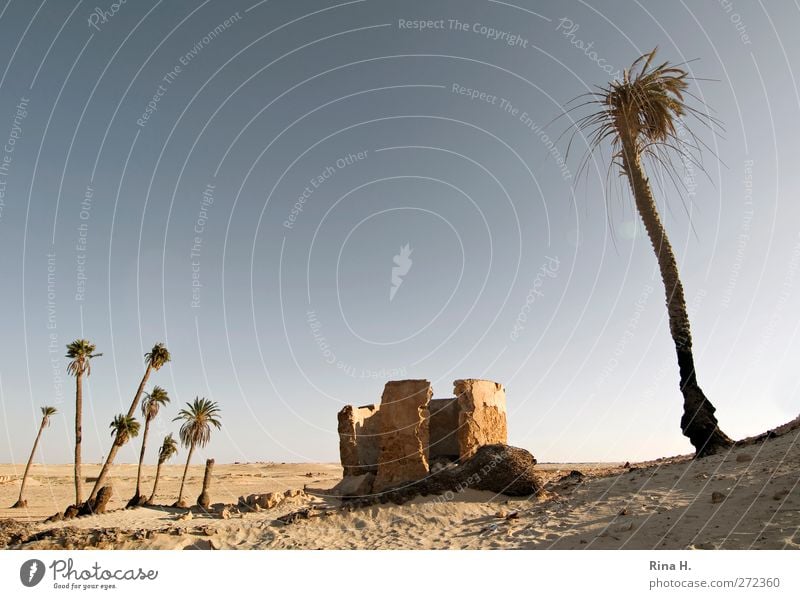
497 468
717 497
501 469
289 493
780 494
293 517
359 439
404 425
744 457
185 516
71 512
13 532
354 486
225 514
482 415
268 501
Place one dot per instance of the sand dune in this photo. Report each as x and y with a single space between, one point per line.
748 498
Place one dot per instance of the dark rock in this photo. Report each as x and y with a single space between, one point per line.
497 468
13 532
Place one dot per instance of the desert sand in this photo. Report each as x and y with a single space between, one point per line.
746 498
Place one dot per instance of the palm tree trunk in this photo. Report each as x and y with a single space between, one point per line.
78 438
141 458
112 454
101 478
21 502
185 470
698 422
140 390
155 483
203 499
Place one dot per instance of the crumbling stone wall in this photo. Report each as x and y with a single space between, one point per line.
404 432
482 415
359 439
395 442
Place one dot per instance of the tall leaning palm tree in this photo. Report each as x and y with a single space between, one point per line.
123 429
642 115
151 405
168 449
80 352
195 431
47 412
154 360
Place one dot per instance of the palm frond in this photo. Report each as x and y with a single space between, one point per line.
124 428
198 418
158 356
153 401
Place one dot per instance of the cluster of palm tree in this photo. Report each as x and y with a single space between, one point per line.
198 418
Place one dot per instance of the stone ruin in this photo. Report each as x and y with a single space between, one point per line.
410 435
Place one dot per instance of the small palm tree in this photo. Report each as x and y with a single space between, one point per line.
195 431
638 116
123 429
80 352
150 406
168 449
47 412
154 359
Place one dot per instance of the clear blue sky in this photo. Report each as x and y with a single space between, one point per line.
158 202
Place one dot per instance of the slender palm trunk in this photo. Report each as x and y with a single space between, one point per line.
21 502
140 390
155 483
185 470
141 458
113 453
698 422
101 478
78 438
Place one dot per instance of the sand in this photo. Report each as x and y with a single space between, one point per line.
747 498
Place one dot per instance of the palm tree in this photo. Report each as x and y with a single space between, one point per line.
196 431
123 429
80 352
150 407
155 359
47 411
638 115
168 449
